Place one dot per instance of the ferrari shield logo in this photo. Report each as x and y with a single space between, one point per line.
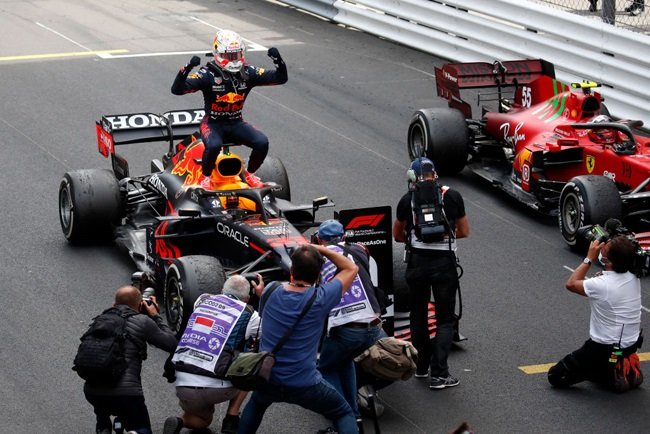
591 163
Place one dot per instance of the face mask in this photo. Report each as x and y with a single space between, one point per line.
601 259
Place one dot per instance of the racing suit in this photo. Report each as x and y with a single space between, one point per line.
224 94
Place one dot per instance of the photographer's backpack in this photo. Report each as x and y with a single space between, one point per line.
429 221
100 358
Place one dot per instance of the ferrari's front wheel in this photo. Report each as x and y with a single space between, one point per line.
272 170
441 135
187 278
90 205
587 200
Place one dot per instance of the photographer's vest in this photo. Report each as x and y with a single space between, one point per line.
422 197
355 305
214 334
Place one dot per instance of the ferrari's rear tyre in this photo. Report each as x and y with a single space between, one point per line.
187 278
587 200
272 170
441 135
90 205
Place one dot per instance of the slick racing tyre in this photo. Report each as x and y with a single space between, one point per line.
90 205
441 135
272 170
587 200
187 278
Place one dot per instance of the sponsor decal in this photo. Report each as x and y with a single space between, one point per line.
365 220
218 80
515 137
626 170
610 175
157 183
450 77
232 233
230 97
145 120
186 166
272 231
105 141
590 162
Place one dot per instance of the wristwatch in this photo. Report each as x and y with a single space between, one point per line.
586 261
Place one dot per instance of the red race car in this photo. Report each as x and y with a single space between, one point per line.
551 145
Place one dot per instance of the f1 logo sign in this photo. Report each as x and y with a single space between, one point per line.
365 220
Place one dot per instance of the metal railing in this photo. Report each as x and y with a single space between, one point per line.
468 30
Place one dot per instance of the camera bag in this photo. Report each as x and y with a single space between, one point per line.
100 357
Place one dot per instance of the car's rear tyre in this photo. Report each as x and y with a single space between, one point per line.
187 278
90 205
587 200
441 135
272 170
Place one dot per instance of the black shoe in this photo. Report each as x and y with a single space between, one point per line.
328 430
230 424
636 10
173 425
422 373
443 382
593 5
360 426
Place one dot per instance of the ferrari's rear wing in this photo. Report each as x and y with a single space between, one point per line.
453 77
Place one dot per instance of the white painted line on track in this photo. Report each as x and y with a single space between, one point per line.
250 45
63 36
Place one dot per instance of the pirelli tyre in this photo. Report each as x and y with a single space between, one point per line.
187 278
587 200
440 134
90 205
272 170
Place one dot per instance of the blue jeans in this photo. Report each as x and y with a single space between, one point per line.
337 355
321 398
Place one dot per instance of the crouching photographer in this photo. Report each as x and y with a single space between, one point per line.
609 356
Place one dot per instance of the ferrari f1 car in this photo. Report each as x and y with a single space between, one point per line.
184 233
550 145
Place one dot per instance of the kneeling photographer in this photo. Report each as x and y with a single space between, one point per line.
609 356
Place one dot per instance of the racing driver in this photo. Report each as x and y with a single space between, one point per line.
225 83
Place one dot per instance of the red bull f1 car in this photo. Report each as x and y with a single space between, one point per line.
551 145
184 233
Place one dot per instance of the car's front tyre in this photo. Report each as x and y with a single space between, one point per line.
587 200
187 278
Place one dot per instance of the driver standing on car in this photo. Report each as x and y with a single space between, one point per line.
225 83
431 267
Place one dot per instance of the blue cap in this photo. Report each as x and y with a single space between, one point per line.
422 165
330 229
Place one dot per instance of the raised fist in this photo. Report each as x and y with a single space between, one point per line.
195 61
274 54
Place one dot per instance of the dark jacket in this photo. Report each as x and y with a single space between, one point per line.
142 330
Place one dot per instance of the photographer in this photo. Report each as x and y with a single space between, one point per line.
430 218
125 399
614 327
220 325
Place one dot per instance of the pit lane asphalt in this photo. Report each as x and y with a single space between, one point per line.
339 125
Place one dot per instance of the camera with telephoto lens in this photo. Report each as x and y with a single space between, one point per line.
611 229
252 280
143 282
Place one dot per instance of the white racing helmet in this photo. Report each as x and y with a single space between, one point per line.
228 49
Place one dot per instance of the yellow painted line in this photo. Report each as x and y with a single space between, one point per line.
58 55
543 369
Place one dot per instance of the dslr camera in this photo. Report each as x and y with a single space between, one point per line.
611 229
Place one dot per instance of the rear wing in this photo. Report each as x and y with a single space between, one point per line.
115 130
125 129
453 77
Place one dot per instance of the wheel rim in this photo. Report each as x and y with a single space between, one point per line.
174 303
417 138
571 215
66 209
